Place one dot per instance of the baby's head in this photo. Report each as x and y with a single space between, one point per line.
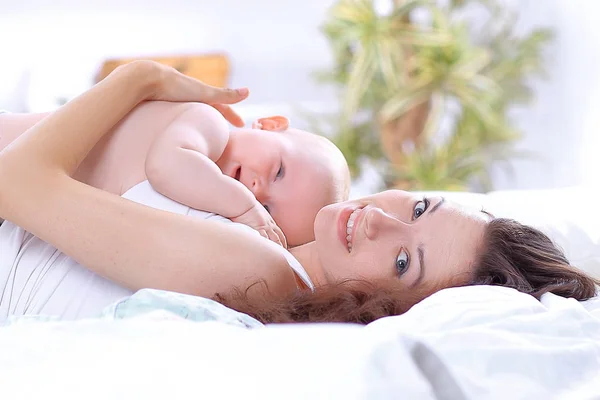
291 172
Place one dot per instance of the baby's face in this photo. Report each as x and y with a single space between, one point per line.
292 173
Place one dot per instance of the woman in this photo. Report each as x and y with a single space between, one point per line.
405 246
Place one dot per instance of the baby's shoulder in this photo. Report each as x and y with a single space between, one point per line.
204 117
201 118
203 122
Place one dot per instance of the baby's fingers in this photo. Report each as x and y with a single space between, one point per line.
280 236
274 237
263 233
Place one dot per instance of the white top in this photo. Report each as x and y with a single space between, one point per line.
36 278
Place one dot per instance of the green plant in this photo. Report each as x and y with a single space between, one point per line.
405 75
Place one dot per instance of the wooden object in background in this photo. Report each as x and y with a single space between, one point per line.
212 69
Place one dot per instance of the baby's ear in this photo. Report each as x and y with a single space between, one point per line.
276 123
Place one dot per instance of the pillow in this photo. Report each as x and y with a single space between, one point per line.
569 216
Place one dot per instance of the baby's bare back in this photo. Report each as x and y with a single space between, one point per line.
117 162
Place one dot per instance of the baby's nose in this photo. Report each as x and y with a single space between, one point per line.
258 188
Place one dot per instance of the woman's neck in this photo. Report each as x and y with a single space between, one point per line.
308 257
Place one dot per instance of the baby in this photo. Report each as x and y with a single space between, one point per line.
269 177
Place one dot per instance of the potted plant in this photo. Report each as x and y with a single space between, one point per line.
427 90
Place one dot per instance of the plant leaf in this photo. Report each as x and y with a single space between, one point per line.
360 76
402 102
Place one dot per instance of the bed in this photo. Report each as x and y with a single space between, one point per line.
461 343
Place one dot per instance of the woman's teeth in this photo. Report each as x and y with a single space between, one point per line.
349 227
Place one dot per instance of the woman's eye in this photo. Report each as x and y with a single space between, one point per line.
420 208
402 262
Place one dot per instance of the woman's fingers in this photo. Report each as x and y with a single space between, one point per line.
191 89
178 87
229 114
219 98
224 95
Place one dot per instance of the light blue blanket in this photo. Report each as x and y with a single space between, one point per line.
160 304
177 305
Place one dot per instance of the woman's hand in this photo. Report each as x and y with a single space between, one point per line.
168 84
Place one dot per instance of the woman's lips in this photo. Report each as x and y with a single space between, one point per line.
343 223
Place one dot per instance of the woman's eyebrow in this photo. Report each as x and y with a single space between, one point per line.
421 254
439 203
421 251
489 214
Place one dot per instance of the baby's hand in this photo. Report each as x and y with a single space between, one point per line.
258 218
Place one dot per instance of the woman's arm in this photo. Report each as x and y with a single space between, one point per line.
129 243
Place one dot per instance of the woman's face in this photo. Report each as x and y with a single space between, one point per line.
398 235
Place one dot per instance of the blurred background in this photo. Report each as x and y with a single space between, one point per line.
475 95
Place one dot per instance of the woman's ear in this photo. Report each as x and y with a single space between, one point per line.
276 123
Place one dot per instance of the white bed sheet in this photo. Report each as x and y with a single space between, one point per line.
472 343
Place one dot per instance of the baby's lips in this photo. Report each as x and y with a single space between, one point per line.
230 170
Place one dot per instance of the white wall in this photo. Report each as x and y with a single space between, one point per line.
562 125
274 46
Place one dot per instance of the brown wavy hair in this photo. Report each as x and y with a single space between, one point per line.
511 255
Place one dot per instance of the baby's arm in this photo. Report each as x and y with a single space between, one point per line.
180 165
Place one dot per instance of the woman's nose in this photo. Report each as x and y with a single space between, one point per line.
378 221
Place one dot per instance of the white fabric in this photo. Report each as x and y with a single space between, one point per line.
461 343
2 112
35 278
